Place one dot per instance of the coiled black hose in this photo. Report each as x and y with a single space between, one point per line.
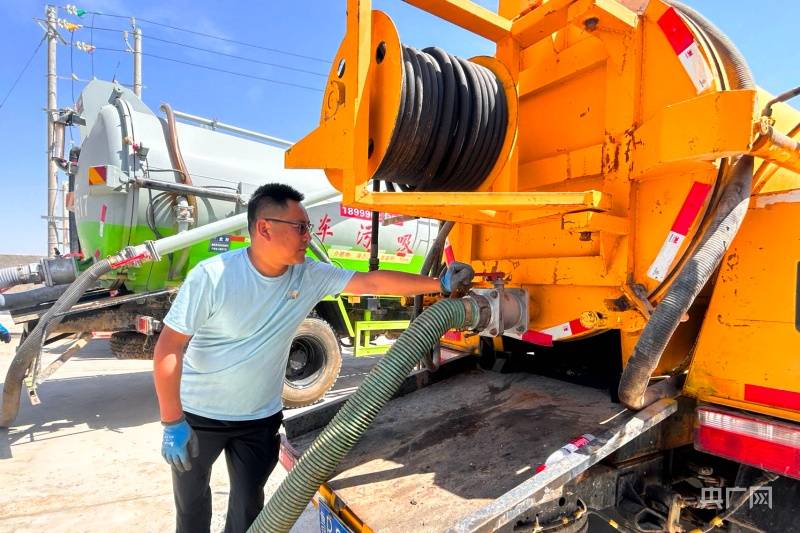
727 219
450 126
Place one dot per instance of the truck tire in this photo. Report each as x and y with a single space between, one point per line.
314 364
132 345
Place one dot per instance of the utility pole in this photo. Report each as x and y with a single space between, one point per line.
64 218
52 108
137 59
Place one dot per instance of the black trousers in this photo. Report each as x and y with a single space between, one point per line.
251 451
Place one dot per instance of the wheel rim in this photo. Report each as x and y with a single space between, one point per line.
307 360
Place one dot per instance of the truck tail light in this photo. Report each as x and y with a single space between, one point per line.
748 439
147 325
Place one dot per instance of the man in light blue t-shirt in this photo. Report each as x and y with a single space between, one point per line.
221 358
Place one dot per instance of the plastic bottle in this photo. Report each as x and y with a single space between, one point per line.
565 450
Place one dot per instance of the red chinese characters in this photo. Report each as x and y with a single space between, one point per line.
405 245
324 228
364 236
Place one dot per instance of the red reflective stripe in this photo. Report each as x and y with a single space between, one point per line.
537 337
449 256
129 260
775 397
576 327
691 206
675 30
103 212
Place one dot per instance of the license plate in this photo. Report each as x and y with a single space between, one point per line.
328 521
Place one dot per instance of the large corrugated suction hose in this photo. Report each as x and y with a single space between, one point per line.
727 219
28 350
18 275
318 463
432 359
9 277
732 207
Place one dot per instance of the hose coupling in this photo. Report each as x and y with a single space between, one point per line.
51 271
499 311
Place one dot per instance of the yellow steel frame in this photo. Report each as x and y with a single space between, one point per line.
750 336
606 136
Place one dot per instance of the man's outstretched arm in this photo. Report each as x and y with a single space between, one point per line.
388 282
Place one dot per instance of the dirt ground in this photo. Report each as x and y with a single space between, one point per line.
88 458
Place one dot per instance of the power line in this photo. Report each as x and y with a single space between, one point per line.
225 54
72 65
84 80
150 37
209 35
241 74
215 69
106 49
91 42
22 72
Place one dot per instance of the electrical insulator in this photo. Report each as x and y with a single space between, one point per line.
69 26
72 9
85 47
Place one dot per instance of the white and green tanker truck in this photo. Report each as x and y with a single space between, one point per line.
138 177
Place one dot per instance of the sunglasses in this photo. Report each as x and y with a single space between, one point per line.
302 227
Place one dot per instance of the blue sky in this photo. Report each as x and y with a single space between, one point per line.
763 31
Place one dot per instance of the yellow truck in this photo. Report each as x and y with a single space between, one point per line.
629 197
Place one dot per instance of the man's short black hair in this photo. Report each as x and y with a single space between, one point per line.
270 195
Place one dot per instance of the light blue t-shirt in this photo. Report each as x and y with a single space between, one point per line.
242 324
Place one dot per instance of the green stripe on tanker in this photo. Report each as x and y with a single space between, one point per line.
153 276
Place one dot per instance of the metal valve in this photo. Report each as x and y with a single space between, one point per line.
500 310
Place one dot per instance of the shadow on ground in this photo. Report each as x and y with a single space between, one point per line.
110 401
